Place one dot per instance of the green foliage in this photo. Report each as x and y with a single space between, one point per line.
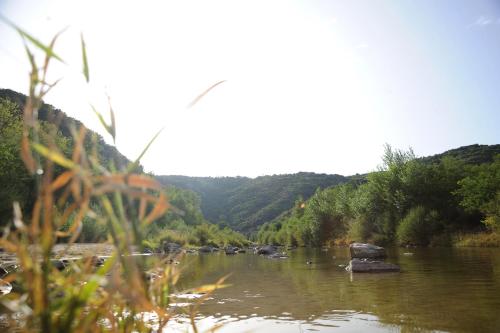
16 182
244 203
417 227
473 154
408 200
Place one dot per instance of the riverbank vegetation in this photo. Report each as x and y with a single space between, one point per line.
408 201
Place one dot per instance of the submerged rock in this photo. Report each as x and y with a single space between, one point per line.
267 250
363 250
371 266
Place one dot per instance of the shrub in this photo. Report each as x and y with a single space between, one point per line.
417 227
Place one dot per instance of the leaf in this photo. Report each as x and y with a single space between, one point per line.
113 122
62 180
34 69
158 210
48 50
199 97
103 122
54 156
133 165
142 181
207 288
84 59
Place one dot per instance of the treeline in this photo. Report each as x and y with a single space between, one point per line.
409 201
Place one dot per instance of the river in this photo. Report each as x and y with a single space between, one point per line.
438 289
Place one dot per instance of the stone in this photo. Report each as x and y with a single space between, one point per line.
231 250
369 251
371 266
267 250
206 249
171 247
3 272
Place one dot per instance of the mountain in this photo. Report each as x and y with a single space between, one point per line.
472 154
245 203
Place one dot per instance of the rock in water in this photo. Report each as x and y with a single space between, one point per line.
206 249
170 247
267 250
3 272
371 266
231 250
362 251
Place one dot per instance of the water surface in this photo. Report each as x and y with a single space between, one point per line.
444 289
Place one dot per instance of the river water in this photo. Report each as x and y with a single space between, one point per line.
438 289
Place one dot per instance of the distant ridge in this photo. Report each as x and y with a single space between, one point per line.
245 203
472 154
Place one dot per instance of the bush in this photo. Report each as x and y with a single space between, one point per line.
359 230
417 227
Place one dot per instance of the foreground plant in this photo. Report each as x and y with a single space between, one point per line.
121 293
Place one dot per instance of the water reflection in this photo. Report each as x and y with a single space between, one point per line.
446 289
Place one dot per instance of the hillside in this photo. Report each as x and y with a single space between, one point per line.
472 154
64 124
55 128
244 203
423 201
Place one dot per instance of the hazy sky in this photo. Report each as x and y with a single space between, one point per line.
311 85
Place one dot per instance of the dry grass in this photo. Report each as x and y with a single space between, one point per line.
483 239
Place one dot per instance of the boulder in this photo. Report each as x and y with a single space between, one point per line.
368 251
60 264
231 250
206 249
170 247
3 272
371 266
267 250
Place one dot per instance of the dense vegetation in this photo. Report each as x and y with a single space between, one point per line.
55 128
244 203
408 201
184 224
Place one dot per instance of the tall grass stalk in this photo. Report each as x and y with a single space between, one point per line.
120 294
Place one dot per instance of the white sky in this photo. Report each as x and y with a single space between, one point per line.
310 87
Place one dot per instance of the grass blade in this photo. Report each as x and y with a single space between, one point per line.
48 50
199 97
84 59
134 165
53 156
